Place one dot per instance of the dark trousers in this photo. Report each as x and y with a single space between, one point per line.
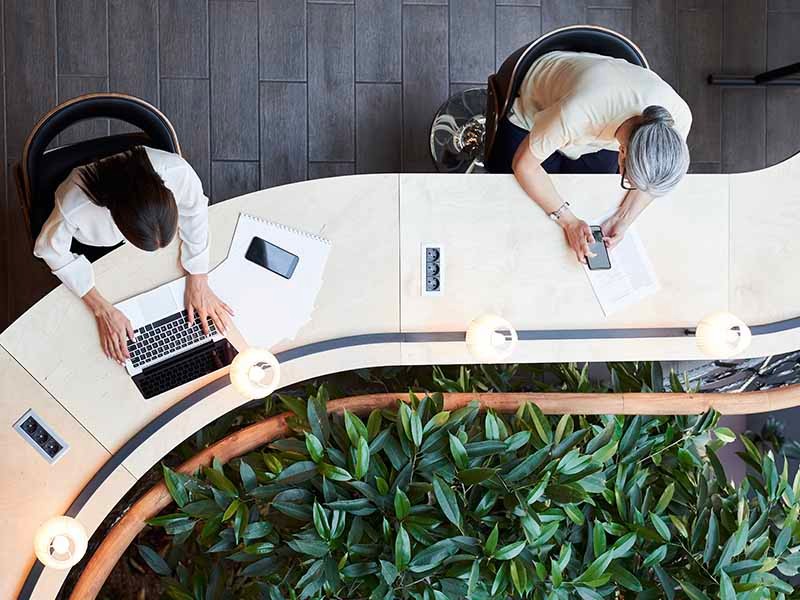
509 137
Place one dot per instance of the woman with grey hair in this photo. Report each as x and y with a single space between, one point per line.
579 112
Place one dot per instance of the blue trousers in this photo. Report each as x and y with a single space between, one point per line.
509 137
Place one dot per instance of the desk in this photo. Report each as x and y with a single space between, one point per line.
711 242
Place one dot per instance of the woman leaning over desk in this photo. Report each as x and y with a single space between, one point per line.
579 112
142 196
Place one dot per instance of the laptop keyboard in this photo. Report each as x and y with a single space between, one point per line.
166 337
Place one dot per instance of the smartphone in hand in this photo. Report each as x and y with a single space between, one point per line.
600 260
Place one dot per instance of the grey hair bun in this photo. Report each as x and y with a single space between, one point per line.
657 115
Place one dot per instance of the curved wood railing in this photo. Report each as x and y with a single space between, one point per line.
122 534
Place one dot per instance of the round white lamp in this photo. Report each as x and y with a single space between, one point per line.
491 338
255 373
60 542
722 335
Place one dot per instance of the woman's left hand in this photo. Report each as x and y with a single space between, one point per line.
613 228
201 300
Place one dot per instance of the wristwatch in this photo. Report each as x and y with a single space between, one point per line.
556 214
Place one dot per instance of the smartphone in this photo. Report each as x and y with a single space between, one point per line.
271 257
598 248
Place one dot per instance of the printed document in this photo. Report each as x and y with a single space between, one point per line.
630 279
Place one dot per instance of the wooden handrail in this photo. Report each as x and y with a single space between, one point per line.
124 531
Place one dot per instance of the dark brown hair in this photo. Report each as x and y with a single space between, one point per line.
142 207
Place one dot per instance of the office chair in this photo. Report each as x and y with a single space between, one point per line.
464 129
40 171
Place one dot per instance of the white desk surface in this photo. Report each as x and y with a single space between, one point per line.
716 244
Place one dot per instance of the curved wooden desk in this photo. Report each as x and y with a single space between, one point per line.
717 243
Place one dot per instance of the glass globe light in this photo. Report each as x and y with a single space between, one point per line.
60 542
722 335
249 373
491 338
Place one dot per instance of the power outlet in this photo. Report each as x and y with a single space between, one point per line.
43 439
432 270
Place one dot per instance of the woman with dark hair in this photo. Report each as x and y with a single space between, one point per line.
142 196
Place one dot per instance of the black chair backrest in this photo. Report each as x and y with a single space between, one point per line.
42 170
504 85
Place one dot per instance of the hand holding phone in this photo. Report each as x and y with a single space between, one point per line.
600 260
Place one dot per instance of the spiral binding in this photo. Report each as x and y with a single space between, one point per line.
286 228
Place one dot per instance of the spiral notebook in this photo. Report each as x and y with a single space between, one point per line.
268 307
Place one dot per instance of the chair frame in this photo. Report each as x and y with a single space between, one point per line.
21 175
523 53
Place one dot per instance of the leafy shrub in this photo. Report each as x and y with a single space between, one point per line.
417 502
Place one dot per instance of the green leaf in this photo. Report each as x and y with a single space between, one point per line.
175 486
491 429
574 513
605 453
447 501
726 591
712 539
388 572
154 560
334 473
433 556
538 489
458 452
402 549
402 506
655 557
321 523
661 527
248 476
355 428
665 499
693 592
219 481
416 429
541 423
510 551
476 475
362 458
517 441
725 434
491 541
231 510
528 465
598 567
315 449
318 415
561 428
259 548
374 424
625 578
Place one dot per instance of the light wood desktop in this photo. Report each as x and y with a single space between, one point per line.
716 244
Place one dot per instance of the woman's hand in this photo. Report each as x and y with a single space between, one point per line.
578 235
200 299
614 228
114 327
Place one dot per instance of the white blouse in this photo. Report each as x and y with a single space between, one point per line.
76 216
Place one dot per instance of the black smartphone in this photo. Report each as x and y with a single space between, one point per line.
273 258
600 259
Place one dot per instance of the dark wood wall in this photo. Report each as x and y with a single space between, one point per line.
273 91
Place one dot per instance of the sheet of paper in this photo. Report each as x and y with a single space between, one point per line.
630 279
269 308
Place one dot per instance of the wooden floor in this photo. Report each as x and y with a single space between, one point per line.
272 91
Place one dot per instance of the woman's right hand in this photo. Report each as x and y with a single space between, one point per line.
113 326
579 236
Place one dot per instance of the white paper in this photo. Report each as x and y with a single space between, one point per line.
269 308
630 279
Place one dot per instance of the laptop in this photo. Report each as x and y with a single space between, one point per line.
168 352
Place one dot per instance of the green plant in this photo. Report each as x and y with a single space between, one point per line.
417 502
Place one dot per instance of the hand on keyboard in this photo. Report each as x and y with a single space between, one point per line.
201 300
